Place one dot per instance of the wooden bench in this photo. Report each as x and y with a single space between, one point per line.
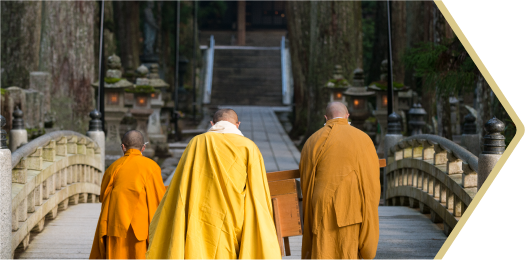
287 211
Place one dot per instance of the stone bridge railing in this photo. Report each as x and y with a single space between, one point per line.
438 176
45 176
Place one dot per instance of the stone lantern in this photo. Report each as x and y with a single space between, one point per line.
141 109
337 85
157 135
357 96
417 119
380 87
114 109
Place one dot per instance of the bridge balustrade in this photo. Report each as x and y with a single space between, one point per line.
48 174
438 176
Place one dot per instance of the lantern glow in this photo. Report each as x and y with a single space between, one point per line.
384 100
338 95
141 101
113 99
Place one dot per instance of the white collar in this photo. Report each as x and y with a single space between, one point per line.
225 127
338 117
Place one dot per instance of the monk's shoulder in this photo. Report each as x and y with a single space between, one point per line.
314 138
147 163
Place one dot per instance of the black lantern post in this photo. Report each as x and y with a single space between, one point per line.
390 86
175 96
101 65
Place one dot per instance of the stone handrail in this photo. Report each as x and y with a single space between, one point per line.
43 140
434 174
48 174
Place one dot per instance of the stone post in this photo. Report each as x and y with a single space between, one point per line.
392 136
5 195
469 138
18 134
417 122
96 133
493 148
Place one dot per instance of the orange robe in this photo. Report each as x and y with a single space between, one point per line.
130 193
340 181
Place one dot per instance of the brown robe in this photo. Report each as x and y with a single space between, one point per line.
340 181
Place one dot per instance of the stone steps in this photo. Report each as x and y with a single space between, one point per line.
247 76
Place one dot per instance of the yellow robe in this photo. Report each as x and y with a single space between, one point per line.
340 180
130 193
218 204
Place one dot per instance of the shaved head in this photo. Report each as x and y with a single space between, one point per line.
133 140
225 115
336 109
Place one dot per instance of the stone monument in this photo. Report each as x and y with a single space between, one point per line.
156 132
337 85
150 33
381 111
114 109
358 100
141 110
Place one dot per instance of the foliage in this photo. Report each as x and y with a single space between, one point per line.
111 80
35 132
2 91
383 85
208 9
447 66
141 90
337 83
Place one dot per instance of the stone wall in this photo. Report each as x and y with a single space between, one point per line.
56 37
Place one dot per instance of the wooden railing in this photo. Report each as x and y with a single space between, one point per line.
49 173
434 174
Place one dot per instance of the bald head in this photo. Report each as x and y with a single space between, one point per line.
336 109
133 140
226 115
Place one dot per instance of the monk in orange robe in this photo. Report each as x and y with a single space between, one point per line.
130 193
341 190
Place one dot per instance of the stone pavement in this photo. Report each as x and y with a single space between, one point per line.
69 235
404 232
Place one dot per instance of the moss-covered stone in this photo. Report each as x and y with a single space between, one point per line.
111 80
142 89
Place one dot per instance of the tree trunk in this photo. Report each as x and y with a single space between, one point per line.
110 43
66 51
484 102
298 27
126 15
336 39
419 29
399 28
21 28
380 47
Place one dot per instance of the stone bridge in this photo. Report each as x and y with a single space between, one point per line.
49 176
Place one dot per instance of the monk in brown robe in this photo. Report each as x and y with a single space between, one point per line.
130 193
340 182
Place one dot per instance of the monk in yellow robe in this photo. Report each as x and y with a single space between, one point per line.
341 190
218 203
130 193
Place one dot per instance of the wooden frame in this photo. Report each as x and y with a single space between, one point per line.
287 211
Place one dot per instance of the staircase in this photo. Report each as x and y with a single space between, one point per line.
247 76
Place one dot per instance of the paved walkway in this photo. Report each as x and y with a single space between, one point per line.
404 232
